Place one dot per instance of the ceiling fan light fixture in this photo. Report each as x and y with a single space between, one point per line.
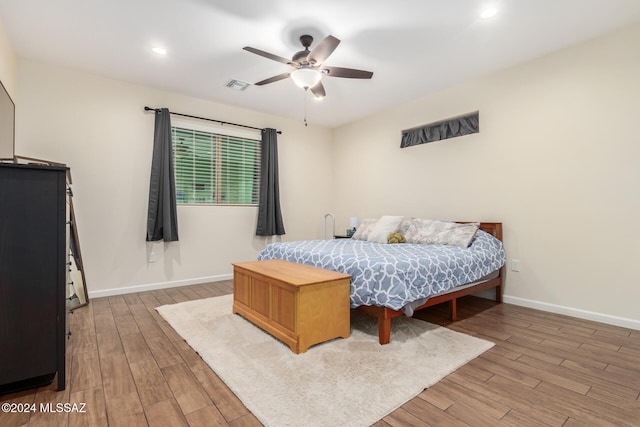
488 12
306 77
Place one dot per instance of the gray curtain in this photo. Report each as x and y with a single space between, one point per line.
438 131
269 214
162 220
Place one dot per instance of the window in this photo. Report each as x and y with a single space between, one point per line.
215 168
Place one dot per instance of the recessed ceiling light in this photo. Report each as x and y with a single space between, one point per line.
159 50
489 12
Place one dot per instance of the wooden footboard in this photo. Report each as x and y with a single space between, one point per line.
385 314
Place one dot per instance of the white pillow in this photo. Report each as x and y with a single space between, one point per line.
363 230
385 225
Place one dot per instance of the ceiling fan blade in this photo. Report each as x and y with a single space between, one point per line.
318 90
267 55
322 51
348 73
273 79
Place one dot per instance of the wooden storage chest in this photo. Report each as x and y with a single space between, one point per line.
299 304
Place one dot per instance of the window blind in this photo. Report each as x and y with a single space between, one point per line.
213 168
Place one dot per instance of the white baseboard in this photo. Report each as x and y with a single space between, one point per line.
574 312
156 286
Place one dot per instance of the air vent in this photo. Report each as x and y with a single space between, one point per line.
236 84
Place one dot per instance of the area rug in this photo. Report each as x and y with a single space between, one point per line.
343 382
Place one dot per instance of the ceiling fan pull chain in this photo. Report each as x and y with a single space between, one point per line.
305 107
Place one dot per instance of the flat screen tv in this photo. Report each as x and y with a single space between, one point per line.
7 124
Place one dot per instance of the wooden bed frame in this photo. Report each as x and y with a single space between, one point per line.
385 314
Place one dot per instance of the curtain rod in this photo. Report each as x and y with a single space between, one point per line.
209 120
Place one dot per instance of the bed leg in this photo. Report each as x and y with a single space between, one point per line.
454 309
384 330
499 294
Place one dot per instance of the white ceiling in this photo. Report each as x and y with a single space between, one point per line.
414 47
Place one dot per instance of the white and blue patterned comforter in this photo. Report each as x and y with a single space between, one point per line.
393 275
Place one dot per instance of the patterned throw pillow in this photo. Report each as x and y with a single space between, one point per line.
426 231
385 225
404 225
362 232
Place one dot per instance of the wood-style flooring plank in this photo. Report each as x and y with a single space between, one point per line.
516 418
132 299
109 343
14 419
593 410
425 413
119 306
248 420
224 399
202 291
163 351
551 402
402 417
477 402
48 396
189 293
148 327
150 383
85 371
94 412
466 414
540 370
125 410
209 416
176 295
126 325
84 341
116 376
165 413
163 298
149 300
187 390
433 396
135 348
513 395
587 375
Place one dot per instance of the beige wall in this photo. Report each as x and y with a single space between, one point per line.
97 126
7 63
556 160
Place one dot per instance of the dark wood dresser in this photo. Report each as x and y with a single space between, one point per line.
33 276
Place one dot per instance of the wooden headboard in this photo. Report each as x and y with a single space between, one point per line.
493 228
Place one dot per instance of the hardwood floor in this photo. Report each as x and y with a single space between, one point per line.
132 369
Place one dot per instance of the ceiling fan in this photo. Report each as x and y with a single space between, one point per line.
308 65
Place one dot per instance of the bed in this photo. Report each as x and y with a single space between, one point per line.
391 280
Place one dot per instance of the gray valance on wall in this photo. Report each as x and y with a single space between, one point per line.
449 128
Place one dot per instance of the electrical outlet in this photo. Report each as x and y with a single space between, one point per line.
515 265
152 257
